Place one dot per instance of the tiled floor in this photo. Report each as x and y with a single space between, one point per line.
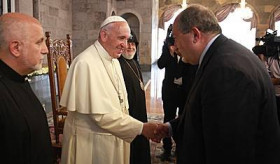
156 148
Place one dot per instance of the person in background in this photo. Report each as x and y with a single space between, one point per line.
272 65
174 92
274 71
98 128
140 146
230 115
24 131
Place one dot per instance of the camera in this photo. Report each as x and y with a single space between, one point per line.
169 37
170 41
271 46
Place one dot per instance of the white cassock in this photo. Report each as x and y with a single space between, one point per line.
98 129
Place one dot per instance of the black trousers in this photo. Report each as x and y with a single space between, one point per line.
173 98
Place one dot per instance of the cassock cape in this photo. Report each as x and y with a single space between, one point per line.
98 128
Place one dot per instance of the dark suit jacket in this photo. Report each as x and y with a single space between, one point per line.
230 115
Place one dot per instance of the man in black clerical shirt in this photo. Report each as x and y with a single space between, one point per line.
24 132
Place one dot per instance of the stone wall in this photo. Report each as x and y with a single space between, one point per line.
24 7
144 11
55 16
87 17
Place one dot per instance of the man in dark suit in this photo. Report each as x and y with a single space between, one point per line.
230 115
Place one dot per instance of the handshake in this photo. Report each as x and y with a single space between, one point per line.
155 131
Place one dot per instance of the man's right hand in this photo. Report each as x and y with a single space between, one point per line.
155 131
149 130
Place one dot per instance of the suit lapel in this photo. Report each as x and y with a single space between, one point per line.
209 54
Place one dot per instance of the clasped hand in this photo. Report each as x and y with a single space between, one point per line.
155 131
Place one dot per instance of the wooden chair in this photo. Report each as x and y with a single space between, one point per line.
59 60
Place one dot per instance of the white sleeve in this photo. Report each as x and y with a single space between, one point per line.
119 124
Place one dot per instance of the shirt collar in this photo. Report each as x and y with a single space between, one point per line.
206 49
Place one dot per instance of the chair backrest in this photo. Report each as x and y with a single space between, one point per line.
59 60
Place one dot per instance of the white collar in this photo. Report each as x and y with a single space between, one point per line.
206 49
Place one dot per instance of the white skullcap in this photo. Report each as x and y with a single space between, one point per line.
112 19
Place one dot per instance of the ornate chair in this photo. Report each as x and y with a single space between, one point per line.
59 60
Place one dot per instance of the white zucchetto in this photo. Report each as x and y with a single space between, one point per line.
111 19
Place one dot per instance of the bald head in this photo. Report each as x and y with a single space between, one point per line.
22 43
14 26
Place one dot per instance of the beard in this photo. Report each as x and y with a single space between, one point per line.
38 66
129 57
31 66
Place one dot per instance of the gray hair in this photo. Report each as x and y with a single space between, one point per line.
200 17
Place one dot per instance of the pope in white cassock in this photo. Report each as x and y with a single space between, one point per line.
98 128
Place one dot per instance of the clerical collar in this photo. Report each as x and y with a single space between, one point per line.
10 73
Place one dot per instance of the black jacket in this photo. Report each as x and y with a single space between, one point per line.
24 131
230 116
